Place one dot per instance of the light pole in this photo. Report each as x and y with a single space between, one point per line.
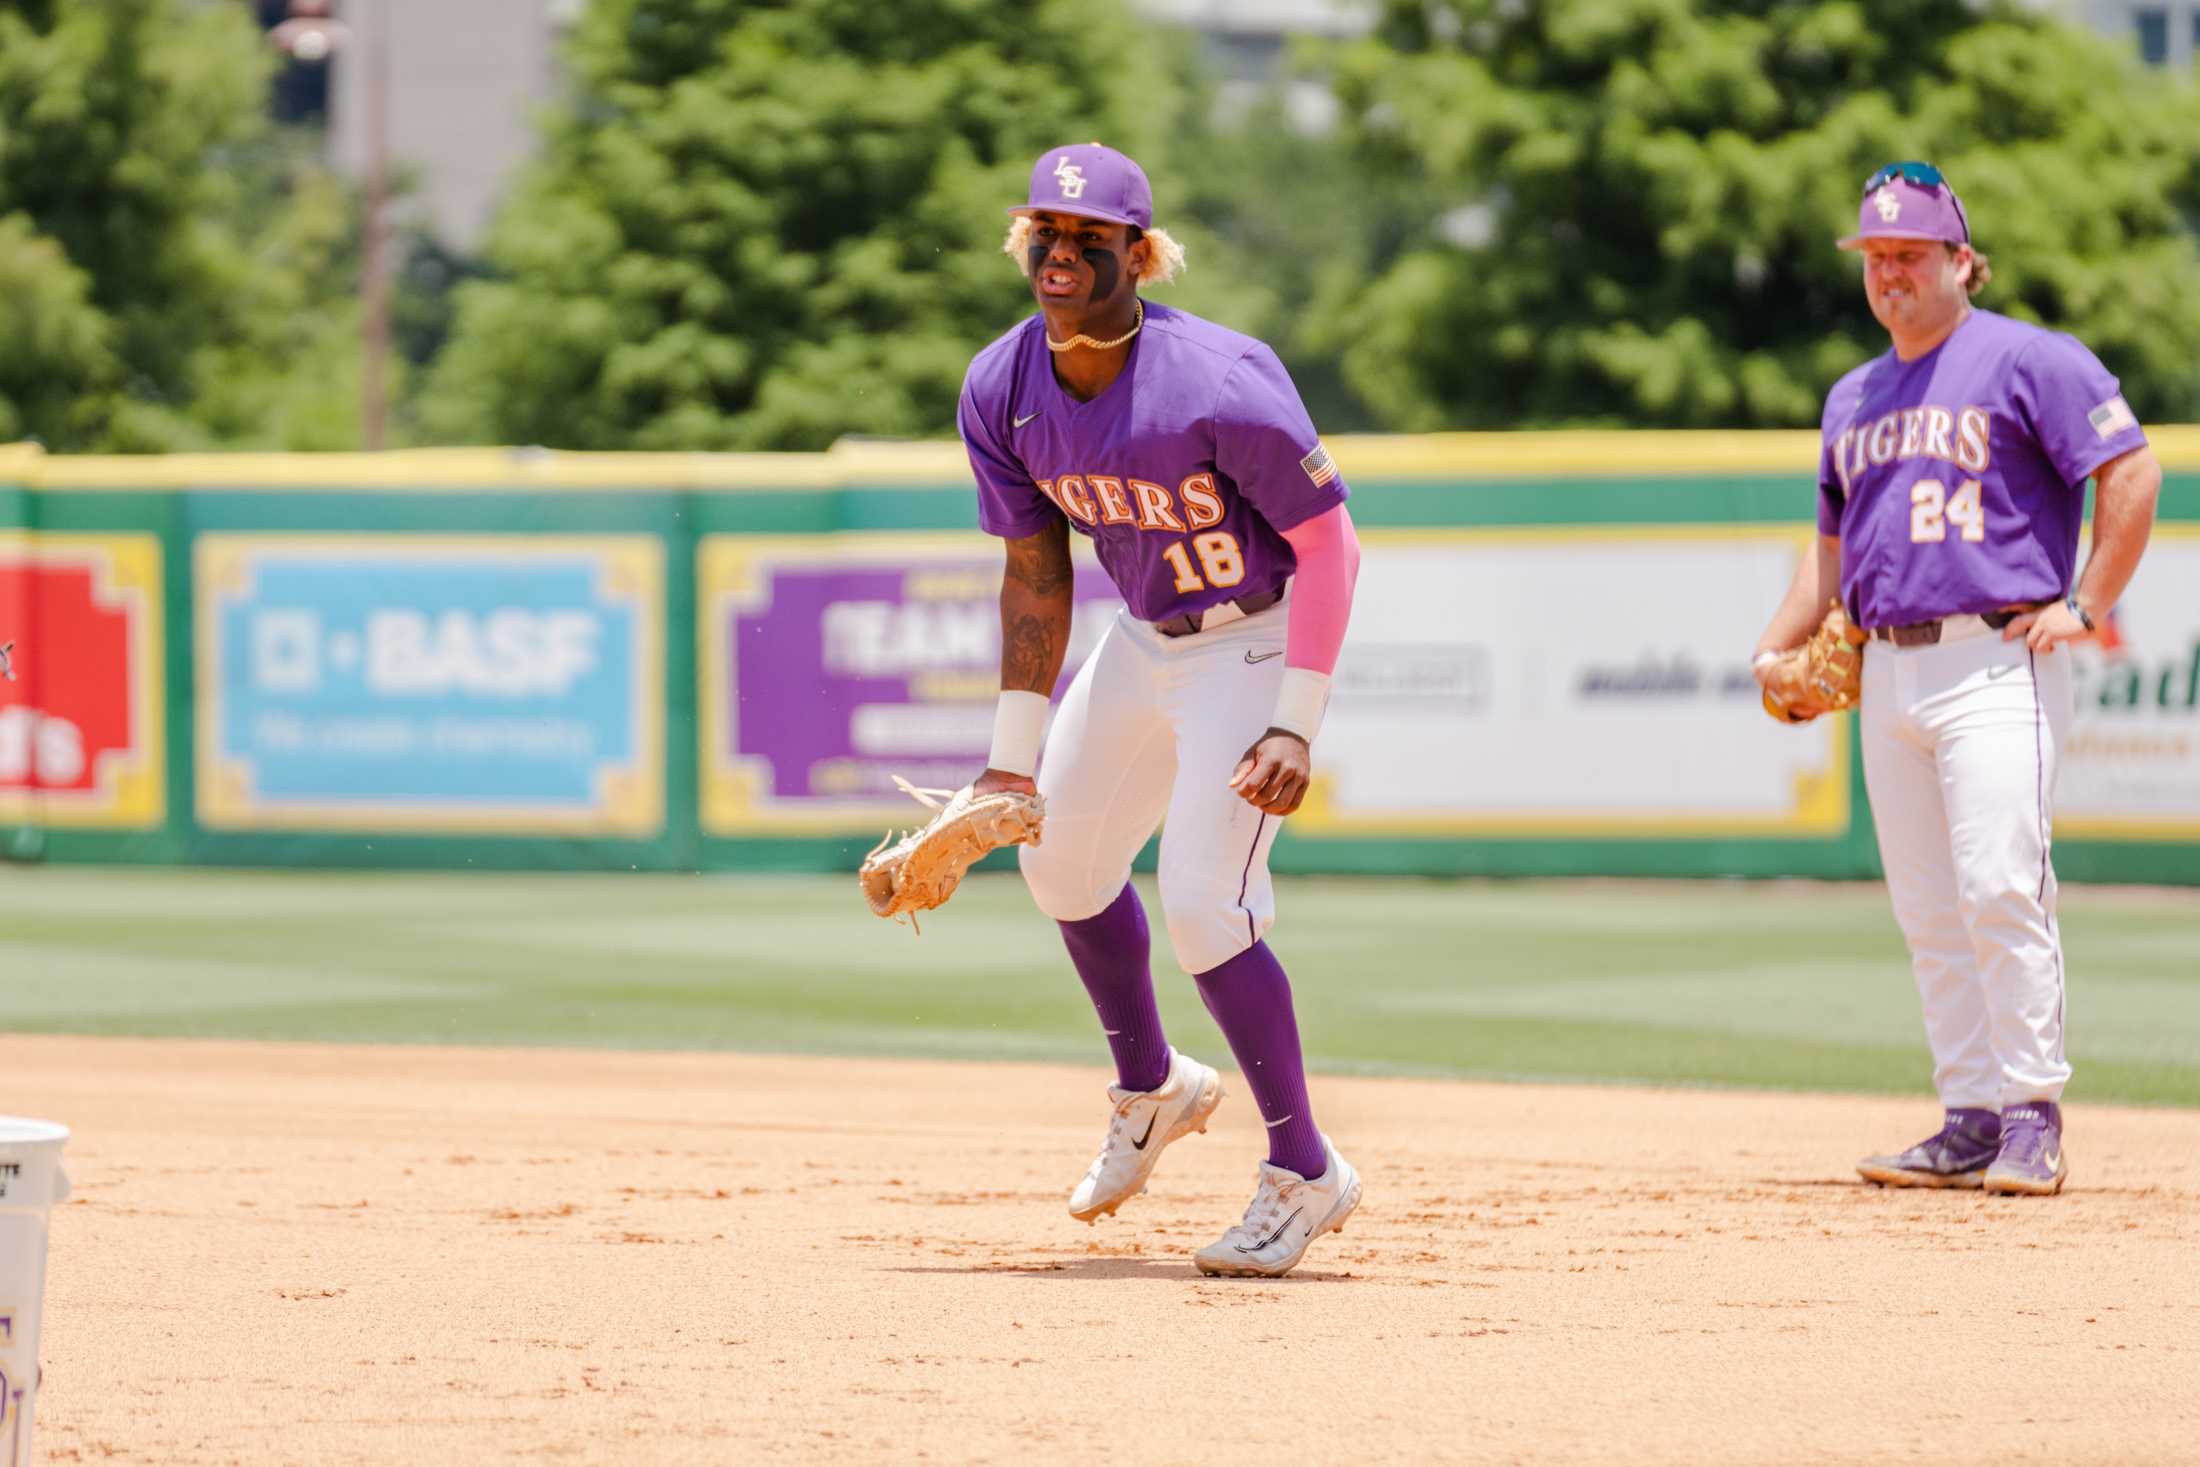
311 34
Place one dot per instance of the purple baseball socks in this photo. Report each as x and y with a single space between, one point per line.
1113 955
1250 999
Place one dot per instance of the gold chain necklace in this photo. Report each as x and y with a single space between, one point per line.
1053 345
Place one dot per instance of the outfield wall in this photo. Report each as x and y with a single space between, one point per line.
496 658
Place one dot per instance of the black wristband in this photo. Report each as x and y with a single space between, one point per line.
2078 611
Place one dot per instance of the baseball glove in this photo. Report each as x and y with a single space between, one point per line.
1823 675
922 869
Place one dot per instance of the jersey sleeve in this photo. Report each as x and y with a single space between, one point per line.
1833 493
1009 503
1266 444
2075 407
1832 498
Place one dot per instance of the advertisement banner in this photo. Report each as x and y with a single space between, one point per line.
81 721
1578 681
1575 681
485 684
830 664
2131 765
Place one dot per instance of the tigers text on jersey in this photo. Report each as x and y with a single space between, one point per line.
1957 481
1184 472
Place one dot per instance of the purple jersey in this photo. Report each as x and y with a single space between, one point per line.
1185 471
1956 482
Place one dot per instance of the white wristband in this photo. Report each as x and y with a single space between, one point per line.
1301 702
1018 721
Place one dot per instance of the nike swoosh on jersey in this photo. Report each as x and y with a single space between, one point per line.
1027 417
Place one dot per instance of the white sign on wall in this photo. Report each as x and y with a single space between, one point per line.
2131 765
1576 681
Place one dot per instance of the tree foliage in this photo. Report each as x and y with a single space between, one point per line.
1630 205
1291 217
168 266
770 223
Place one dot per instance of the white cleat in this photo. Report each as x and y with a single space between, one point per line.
1145 1122
1288 1212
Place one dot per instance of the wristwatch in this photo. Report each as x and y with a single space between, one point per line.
2078 611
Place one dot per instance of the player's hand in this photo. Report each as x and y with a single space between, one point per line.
1273 774
1762 664
2047 628
995 780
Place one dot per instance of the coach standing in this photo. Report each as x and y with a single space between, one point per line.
1951 484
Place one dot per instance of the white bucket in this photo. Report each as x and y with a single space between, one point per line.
31 1182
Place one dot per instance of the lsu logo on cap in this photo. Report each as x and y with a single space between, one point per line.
1072 178
1318 465
1888 203
2111 417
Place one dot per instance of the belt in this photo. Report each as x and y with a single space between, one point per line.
1216 616
1944 628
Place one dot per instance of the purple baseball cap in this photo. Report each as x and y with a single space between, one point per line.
1909 201
1091 182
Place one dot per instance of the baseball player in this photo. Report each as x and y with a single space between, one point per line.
1182 451
1950 487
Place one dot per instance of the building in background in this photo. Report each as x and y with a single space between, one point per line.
2167 31
1247 43
466 85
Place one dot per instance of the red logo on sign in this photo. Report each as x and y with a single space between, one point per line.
70 721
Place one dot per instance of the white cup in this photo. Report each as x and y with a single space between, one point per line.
31 1182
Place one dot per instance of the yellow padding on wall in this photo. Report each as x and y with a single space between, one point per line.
1618 452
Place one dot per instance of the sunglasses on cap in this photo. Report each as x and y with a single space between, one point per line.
1923 175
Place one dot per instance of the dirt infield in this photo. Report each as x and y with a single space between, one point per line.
287 1253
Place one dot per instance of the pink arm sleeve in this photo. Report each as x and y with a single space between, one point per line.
1321 591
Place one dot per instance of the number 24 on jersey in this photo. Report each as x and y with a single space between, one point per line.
1933 509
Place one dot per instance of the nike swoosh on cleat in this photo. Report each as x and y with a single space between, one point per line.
1140 1143
1263 657
1027 417
1294 1217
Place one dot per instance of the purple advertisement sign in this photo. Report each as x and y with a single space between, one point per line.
830 668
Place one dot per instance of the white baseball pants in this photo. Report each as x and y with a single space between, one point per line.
1961 743
1151 728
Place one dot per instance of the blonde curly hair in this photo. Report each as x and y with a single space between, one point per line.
1982 270
1164 256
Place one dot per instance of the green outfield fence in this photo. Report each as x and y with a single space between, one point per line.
526 659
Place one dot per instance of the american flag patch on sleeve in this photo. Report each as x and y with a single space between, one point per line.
2111 417
1318 466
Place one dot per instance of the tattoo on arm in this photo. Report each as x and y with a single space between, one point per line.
1035 610
1031 653
1041 562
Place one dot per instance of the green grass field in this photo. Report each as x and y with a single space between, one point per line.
1781 986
